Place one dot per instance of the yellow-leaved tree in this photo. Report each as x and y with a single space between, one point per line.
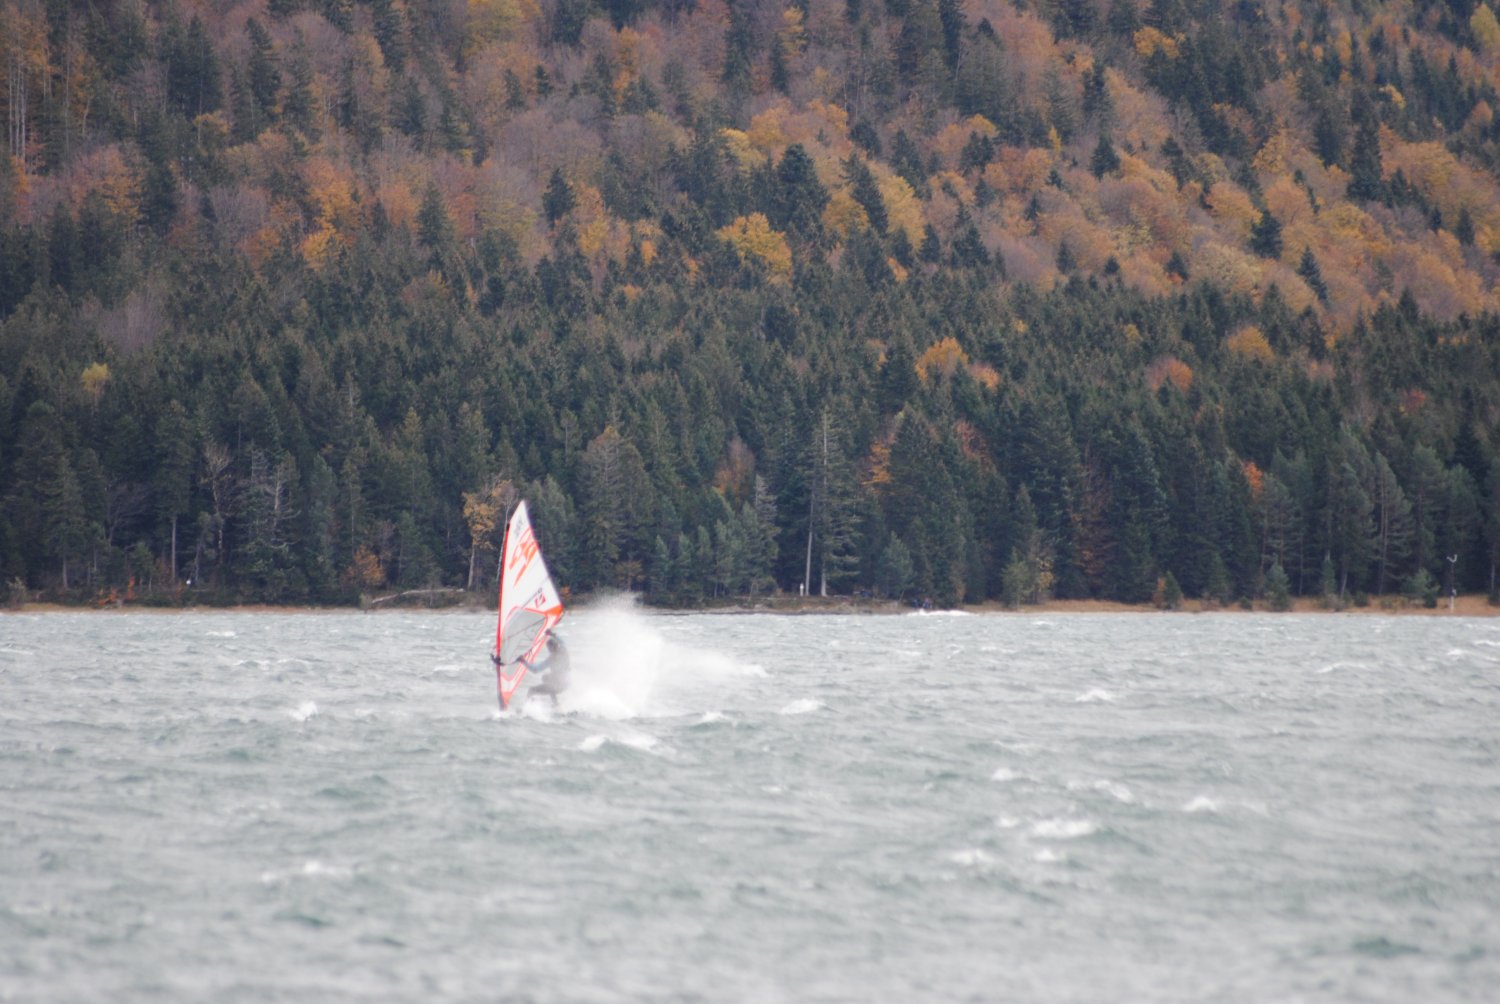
753 238
942 358
94 379
1250 343
490 20
1485 28
903 209
483 512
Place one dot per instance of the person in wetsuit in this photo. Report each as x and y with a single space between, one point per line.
556 670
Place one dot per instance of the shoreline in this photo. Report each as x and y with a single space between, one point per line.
1470 605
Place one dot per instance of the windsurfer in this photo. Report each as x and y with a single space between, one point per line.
556 669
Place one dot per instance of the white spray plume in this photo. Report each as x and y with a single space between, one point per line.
624 667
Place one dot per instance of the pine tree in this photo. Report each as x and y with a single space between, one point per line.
799 198
1105 160
739 51
1464 228
173 479
931 250
558 201
389 23
866 192
1265 236
1137 516
1278 588
1393 526
1308 269
1351 513
1366 181
1066 262
263 77
192 69
1097 104
832 551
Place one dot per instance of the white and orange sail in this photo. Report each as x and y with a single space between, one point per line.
530 606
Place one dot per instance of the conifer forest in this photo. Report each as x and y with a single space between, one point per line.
942 300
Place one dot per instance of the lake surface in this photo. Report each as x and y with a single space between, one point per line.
261 806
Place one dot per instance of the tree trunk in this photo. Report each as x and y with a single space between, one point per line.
807 571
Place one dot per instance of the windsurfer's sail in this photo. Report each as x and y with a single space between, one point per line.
529 606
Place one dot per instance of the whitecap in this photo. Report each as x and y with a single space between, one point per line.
803 706
1112 788
639 741
710 717
1062 829
1003 774
1095 696
1344 664
1487 642
971 857
1201 803
1007 822
1048 856
304 711
592 743
222 634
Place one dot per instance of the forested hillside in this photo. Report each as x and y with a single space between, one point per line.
959 299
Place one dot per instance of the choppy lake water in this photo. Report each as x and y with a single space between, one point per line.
258 806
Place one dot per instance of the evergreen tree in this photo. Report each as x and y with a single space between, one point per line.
739 50
1351 513
1393 527
1366 181
1308 269
613 510
866 192
1265 236
1105 160
558 201
263 77
173 480
389 23
192 70
799 198
1137 517
832 545
1097 105
1278 588
1464 228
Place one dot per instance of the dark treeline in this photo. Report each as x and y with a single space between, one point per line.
283 331
928 439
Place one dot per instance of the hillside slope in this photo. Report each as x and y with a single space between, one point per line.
945 299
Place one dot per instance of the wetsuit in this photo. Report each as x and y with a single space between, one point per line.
556 670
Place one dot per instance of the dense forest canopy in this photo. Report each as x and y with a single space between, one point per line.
958 299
